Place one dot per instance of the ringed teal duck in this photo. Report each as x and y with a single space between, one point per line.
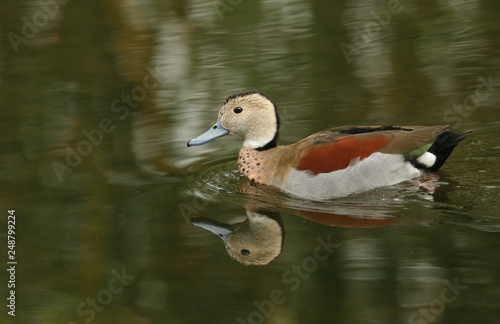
332 163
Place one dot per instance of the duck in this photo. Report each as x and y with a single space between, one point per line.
331 163
257 240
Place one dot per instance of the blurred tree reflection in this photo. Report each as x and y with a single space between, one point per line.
119 206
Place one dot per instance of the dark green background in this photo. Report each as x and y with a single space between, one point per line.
126 203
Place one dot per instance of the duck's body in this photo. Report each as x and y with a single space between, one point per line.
332 163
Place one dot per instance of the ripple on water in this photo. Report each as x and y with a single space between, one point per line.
222 184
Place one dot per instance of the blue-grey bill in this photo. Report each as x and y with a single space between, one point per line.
214 132
220 229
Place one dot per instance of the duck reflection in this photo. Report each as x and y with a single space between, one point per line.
257 240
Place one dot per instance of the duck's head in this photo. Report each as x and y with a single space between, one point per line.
257 240
250 114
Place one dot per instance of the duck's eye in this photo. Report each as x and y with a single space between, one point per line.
245 252
237 110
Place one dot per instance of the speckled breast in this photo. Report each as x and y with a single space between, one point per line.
252 166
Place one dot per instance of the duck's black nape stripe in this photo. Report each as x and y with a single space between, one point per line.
272 144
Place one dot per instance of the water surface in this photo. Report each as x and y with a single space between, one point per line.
99 99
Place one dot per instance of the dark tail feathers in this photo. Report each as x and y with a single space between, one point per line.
443 146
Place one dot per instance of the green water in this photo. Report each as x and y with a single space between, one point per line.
98 100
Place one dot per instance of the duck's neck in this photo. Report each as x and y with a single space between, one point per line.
262 141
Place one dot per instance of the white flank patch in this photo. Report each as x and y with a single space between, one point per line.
428 159
377 170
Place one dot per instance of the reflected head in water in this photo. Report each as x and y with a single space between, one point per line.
257 240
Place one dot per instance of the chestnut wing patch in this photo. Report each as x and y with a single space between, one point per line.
339 153
345 220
